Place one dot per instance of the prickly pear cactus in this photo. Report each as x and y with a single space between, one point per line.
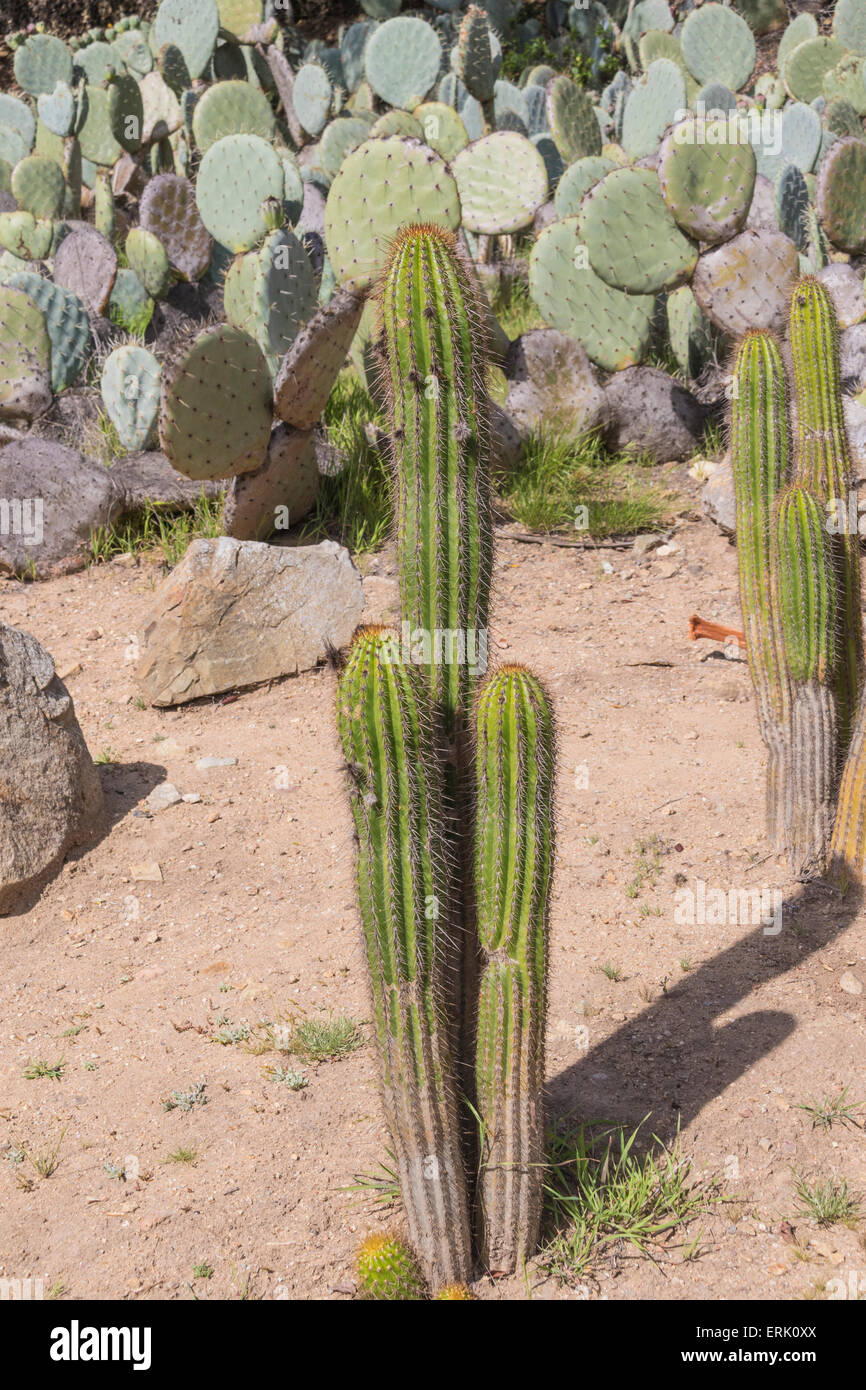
215 408
130 388
707 183
67 325
413 185
633 242
402 60
238 174
841 196
271 292
169 211
501 182
614 328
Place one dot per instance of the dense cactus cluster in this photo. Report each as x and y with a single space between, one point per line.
800 583
452 794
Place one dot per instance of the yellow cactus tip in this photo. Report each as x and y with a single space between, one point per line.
457 1293
373 1245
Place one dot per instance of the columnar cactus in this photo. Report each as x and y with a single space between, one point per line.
445 875
759 456
805 587
435 342
513 868
405 895
823 464
799 574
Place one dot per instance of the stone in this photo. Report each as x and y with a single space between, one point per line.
235 613
51 499
149 872
718 499
280 493
845 288
855 425
149 477
165 794
506 441
552 385
205 764
652 413
849 984
50 793
852 357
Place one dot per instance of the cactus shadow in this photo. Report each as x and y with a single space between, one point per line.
681 1052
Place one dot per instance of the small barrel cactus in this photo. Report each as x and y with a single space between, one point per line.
388 1271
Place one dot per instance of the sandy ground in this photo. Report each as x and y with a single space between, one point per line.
722 1030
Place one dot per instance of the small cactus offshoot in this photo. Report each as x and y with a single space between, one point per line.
388 1271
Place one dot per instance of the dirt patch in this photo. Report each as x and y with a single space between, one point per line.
718 1030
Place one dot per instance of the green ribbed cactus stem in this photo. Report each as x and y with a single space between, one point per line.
759 456
405 892
805 591
823 464
435 345
513 871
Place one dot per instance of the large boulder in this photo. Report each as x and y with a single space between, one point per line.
50 793
652 413
51 499
852 357
235 613
718 497
552 386
845 288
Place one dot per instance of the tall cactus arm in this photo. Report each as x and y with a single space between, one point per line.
823 464
759 454
404 886
513 869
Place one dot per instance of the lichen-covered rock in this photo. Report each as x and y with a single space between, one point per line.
652 413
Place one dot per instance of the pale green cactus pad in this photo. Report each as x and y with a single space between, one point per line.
614 328
501 182
633 241
271 293
572 120
808 64
849 25
41 62
148 258
231 108
577 180
130 387
707 182
192 26
718 45
235 177
39 186
215 411
402 61
381 186
25 352
652 104
440 127
841 195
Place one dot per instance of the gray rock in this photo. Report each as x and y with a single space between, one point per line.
855 424
51 498
506 440
552 385
718 498
278 494
165 794
312 218
845 288
51 794
149 477
235 613
205 764
852 357
652 413
544 216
